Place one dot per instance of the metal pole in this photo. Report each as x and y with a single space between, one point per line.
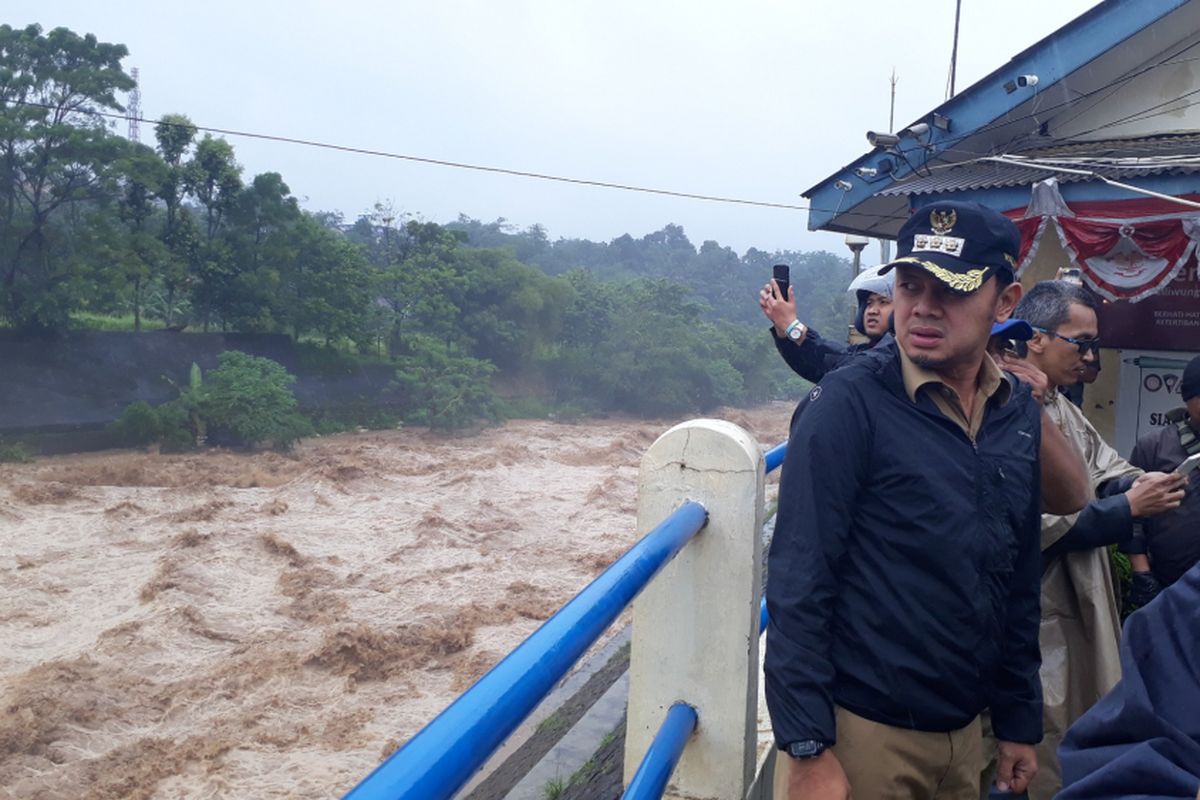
954 50
650 781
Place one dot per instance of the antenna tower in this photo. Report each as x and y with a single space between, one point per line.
133 111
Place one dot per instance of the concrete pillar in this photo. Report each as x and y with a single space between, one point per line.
695 627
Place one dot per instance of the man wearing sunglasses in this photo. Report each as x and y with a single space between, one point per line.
1081 626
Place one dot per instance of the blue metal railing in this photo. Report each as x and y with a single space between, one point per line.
774 457
650 780
443 755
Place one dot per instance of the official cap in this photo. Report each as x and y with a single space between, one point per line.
961 244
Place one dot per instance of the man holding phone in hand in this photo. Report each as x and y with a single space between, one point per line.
1173 539
1080 627
809 354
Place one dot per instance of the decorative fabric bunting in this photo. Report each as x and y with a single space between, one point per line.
1125 250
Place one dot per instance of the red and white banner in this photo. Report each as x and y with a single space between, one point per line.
1128 260
1125 250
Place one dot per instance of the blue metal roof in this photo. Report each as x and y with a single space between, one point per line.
989 117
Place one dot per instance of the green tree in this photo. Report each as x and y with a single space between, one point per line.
175 135
248 400
260 234
444 388
56 153
143 255
213 177
509 312
411 292
325 287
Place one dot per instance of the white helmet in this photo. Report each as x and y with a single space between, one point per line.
869 280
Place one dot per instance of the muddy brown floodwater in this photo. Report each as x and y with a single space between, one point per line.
264 625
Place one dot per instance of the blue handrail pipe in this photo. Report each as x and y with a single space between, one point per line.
650 781
443 756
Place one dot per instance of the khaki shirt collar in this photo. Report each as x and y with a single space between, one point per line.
991 380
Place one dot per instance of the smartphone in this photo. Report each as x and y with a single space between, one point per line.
1190 464
783 278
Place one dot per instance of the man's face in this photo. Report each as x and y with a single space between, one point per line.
875 317
1062 362
1193 409
940 329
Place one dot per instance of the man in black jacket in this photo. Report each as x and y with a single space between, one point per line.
1171 539
904 572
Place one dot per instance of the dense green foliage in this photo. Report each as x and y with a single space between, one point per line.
139 424
245 401
101 232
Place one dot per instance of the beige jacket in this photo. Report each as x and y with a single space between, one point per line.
1081 626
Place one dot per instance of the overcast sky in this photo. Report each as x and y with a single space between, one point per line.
752 99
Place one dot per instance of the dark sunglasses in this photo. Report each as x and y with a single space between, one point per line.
1084 345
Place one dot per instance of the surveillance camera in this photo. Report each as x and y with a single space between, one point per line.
915 131
866 172
845 186
1027 80
882 139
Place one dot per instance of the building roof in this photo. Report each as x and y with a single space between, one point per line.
1116 158
1078 67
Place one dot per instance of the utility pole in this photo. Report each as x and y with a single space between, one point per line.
954 49
892 111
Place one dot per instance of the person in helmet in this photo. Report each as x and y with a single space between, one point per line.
809 354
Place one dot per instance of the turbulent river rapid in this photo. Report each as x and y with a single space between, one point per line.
264 625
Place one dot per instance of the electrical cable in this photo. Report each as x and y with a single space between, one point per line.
946 145
459 165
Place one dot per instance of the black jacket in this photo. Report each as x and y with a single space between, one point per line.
1143 738
1172 538
816 355
904 576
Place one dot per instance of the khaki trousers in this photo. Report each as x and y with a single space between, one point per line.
886 763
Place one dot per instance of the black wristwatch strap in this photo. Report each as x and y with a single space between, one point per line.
809 748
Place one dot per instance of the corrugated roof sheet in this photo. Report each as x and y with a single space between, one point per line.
989 174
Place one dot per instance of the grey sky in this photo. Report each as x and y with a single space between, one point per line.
757 99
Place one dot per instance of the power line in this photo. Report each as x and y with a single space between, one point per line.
1171 60
457 164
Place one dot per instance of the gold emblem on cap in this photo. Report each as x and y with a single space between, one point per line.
942 221
960 282
968 281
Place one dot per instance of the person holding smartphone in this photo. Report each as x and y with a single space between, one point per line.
1171 542
809 354
1081 624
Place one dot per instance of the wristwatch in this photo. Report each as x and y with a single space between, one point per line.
809 748
796 330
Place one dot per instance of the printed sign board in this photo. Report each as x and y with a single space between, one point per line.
1149 389
1168 320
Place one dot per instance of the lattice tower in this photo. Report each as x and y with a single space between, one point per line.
133 111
